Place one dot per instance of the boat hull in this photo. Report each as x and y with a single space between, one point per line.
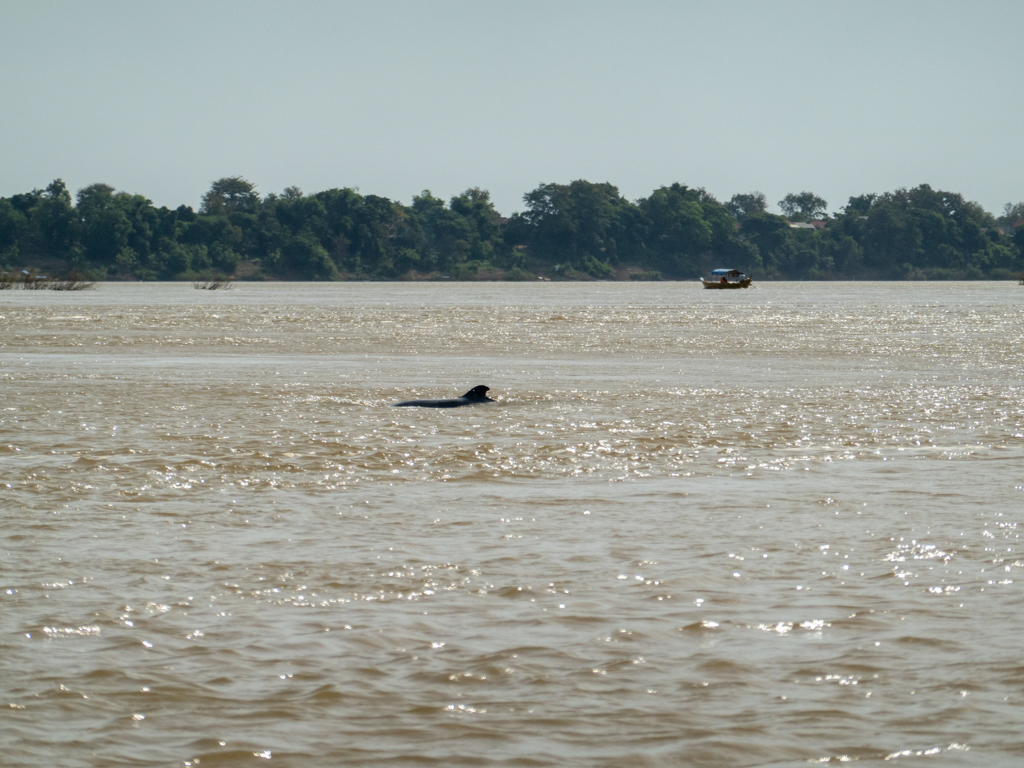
719 284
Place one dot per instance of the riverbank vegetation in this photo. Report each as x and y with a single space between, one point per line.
576 231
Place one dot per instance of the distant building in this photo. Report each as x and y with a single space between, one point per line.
1009 229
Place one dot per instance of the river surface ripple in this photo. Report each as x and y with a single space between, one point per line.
776 526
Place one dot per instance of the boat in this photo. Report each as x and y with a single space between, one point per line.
726 278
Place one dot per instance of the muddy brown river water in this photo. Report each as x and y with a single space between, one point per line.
768 527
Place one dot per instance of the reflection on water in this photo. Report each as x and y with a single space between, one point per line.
767 528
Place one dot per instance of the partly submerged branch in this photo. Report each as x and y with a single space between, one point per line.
31 281
214 284
75 281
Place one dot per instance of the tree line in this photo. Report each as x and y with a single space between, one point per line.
580 230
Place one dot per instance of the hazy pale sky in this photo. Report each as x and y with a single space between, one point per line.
393 96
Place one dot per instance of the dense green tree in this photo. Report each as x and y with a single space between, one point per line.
889 238
1012 212
476 207
308 259
575 224
860 205
447 235
745 204
228 195
803 206
341 207
772 237
679 234
105 228
176 259
843 253
56 219
13 228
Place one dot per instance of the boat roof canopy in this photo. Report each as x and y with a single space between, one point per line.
725 272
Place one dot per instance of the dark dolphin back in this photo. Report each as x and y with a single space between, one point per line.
477 394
